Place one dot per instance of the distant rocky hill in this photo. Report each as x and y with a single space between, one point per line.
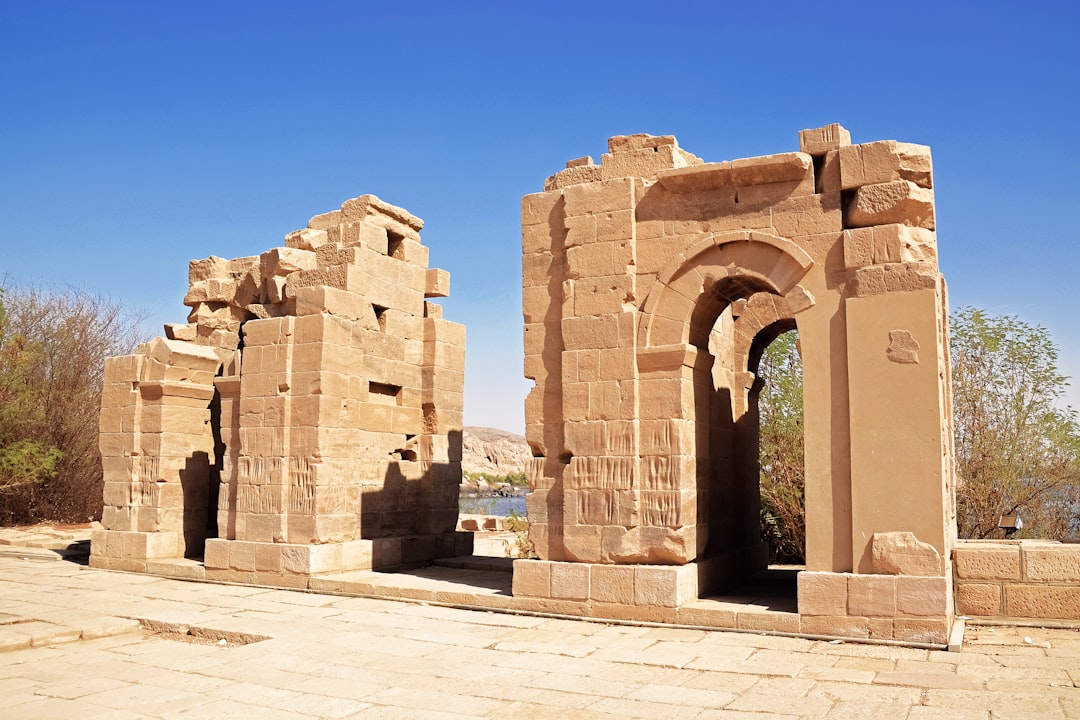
492 451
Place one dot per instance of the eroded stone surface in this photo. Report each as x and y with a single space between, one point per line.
901 553
652 283
307 418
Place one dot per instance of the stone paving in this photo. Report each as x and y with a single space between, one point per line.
82 643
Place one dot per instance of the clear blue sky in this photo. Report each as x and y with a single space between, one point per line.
135 136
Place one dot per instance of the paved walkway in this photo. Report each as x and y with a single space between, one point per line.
72 646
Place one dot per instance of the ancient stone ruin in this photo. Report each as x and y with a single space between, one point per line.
306 419
652 282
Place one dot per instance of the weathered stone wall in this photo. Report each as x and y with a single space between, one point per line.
307 418
1017 579
652 281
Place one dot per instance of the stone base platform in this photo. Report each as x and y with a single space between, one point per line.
649 594
905 608
289 565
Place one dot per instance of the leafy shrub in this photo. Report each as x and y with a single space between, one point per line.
53 346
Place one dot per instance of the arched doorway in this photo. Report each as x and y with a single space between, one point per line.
699 332
737 548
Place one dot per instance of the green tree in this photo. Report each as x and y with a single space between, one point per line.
23 461
780 419
1017 451
53 346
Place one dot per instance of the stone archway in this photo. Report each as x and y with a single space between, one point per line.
690 339
630 267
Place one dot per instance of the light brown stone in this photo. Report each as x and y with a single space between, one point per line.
872 595
836 625
885 161
345 394
922 595
979 599
641 343
765 621
1042 601
819 141
899 201
569 581
922 630
612 584
901 553
1052 562
975 560
822 593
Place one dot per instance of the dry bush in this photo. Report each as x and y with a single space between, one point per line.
53 346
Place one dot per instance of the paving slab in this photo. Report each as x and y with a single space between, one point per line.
93 644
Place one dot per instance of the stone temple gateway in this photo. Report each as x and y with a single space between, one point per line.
651 284
304 425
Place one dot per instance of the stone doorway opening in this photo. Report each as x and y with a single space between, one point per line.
738 530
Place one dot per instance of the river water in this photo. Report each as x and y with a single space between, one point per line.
499 506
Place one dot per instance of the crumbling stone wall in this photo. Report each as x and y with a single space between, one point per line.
651 283
306 418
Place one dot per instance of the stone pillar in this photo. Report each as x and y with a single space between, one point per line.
156 445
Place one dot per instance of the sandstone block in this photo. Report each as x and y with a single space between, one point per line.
1061 602
885 161
979 599
569 581
599 197
807 215
901 553
899 201
207 268
986 561
762 621
698 178
316 300
888 244
574 175
242 555
183 354
922 630
818 141
880 628
612 584
306 239
835 625
370 206
282 261
771 169
537 208
123 368
644 162
267 557
872 595
827 179
581 543
922 595
822 593
1050 562
664 585
181 331
437 283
